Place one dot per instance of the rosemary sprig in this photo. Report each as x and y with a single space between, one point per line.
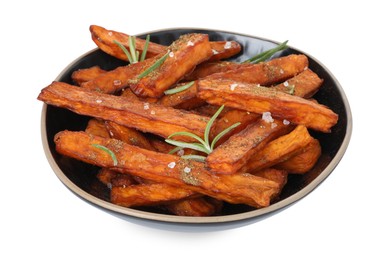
204 144
154 66
107 150
178 89
267 54
132 54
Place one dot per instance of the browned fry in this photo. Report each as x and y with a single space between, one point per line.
305 84
231 117
304 161
277 175
230 156
128 135
117 79
224 49
266 73
96 127
83 75
145 117
129 94
113 178
165 168
279 150
186 99
104 39
257 99
196 207
184 54
147 194
208 68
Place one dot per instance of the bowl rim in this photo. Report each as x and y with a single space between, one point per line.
207 219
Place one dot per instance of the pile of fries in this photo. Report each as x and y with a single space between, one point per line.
264 110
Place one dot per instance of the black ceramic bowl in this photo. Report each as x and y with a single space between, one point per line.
80 177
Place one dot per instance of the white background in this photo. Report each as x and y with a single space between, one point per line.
345 217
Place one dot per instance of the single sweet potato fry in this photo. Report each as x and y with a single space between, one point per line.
83 75
145 117
128 135
230 156
117 79
196 207
257 99
279 150
147 194
304 161
104 39
207 68
224 49
186 99
184 54
304 85
165 168
97 127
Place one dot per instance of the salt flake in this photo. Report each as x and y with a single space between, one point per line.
286 122
171 54
190 43
187 169
228 45
267 117
99 101
146 106
171 165
233 86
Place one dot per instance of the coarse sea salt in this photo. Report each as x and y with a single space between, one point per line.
146 106
233 86
171 165
171 54
190 43
285 83
267 117
99 101
228 45
286 122
215 52
187 169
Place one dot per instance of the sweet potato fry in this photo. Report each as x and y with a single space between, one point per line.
196 207
304 161
230 156
147 194
277 175
279 150
186 99
184 54
257 99
128 135
113 178
224 49
170 169
104 39
83 75
117 79
207 68
304 85
231 117
97 127
266 73
157 119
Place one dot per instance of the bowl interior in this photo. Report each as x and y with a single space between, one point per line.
80 177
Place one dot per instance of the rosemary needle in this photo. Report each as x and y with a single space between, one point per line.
107 150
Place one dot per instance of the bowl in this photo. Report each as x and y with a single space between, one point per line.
80 177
